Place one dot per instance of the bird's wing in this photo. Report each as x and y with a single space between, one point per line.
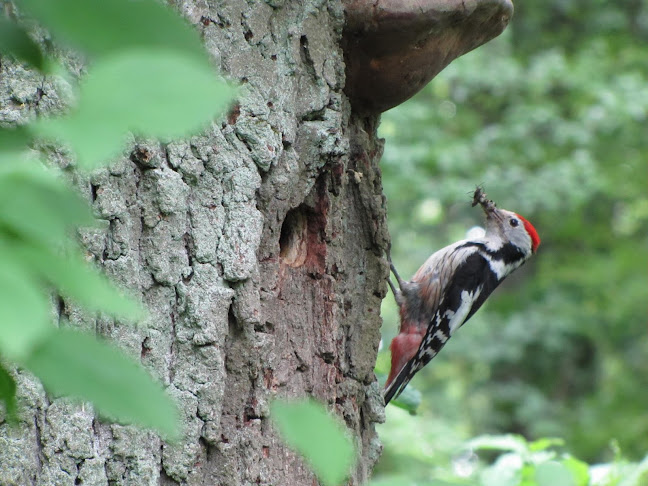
457 285
433 278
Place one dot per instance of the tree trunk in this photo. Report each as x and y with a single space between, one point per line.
256 247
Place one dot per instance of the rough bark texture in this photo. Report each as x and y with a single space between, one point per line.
257 248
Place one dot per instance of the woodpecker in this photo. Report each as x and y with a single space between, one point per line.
451 286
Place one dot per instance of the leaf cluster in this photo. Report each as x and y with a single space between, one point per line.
148 74
491 460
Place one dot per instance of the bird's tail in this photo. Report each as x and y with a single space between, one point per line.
396 386
403 348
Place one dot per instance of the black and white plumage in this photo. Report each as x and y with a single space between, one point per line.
451 286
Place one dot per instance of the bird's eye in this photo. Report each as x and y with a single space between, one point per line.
514 222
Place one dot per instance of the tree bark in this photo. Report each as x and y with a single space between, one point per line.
257 248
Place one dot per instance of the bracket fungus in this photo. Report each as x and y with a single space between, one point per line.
395 47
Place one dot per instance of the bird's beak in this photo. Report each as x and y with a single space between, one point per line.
487 205
490 210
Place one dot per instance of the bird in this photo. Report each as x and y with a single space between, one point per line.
451 286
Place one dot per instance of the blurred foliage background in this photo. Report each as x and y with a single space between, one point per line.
551 118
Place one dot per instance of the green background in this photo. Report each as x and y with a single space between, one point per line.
552 118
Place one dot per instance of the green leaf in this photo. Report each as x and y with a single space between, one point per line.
546 443
150 92
15 42
383 365
409 400
13 143
38 205
514 443
8 393
506 471
636 474
578 469
78 280
527 475
79 365
95 143
101 27
24 309
410 481
552 473
309 429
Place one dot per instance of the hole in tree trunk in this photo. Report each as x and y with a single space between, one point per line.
293 245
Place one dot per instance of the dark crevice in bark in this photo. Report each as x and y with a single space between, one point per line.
77 479
235 331
189 248
175 315
40 458
60 308
306 58
93 192
145 348
316 115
